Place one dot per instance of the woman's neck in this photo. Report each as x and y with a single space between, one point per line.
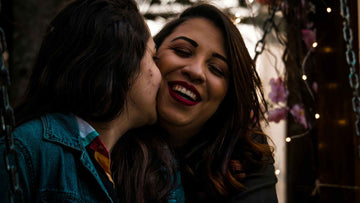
178 135
110 132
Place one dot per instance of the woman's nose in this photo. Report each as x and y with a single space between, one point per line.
195 71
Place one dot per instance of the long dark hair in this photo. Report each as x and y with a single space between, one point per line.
89 56
229 133
143 166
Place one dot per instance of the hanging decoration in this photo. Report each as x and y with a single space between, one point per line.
279 108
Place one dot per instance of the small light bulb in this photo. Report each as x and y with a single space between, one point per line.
315 44
328 9
288 139
251 1
277 172
237 20
317 116
237 15
304 77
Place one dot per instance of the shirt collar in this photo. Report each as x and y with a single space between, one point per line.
87 132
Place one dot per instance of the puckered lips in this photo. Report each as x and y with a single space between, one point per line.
184 93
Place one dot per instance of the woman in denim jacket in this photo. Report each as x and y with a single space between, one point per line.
94 79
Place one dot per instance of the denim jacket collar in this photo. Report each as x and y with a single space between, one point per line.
63 129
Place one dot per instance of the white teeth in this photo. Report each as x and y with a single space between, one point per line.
185 91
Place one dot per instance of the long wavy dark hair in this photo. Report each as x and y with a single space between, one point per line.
229 133
89 57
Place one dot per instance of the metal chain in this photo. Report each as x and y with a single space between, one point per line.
351 61
7 123
267 27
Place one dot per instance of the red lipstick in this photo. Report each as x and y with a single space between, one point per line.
181 99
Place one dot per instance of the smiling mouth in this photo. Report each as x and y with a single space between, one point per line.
184 93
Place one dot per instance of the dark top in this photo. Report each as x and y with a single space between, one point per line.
259 183
259 188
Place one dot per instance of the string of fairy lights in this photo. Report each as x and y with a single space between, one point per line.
304 77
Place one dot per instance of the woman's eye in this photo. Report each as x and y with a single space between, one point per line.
217 71
182 52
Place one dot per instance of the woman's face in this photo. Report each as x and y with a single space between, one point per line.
143 91
195 72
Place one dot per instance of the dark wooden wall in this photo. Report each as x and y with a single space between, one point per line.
338 152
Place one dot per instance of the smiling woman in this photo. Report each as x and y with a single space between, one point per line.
209 109
217 141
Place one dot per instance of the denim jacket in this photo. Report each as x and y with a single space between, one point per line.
54 165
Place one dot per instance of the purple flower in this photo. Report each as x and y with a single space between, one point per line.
278 92
278 114
309 37
299 115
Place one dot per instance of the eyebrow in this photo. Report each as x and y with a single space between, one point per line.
220 57
192 42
